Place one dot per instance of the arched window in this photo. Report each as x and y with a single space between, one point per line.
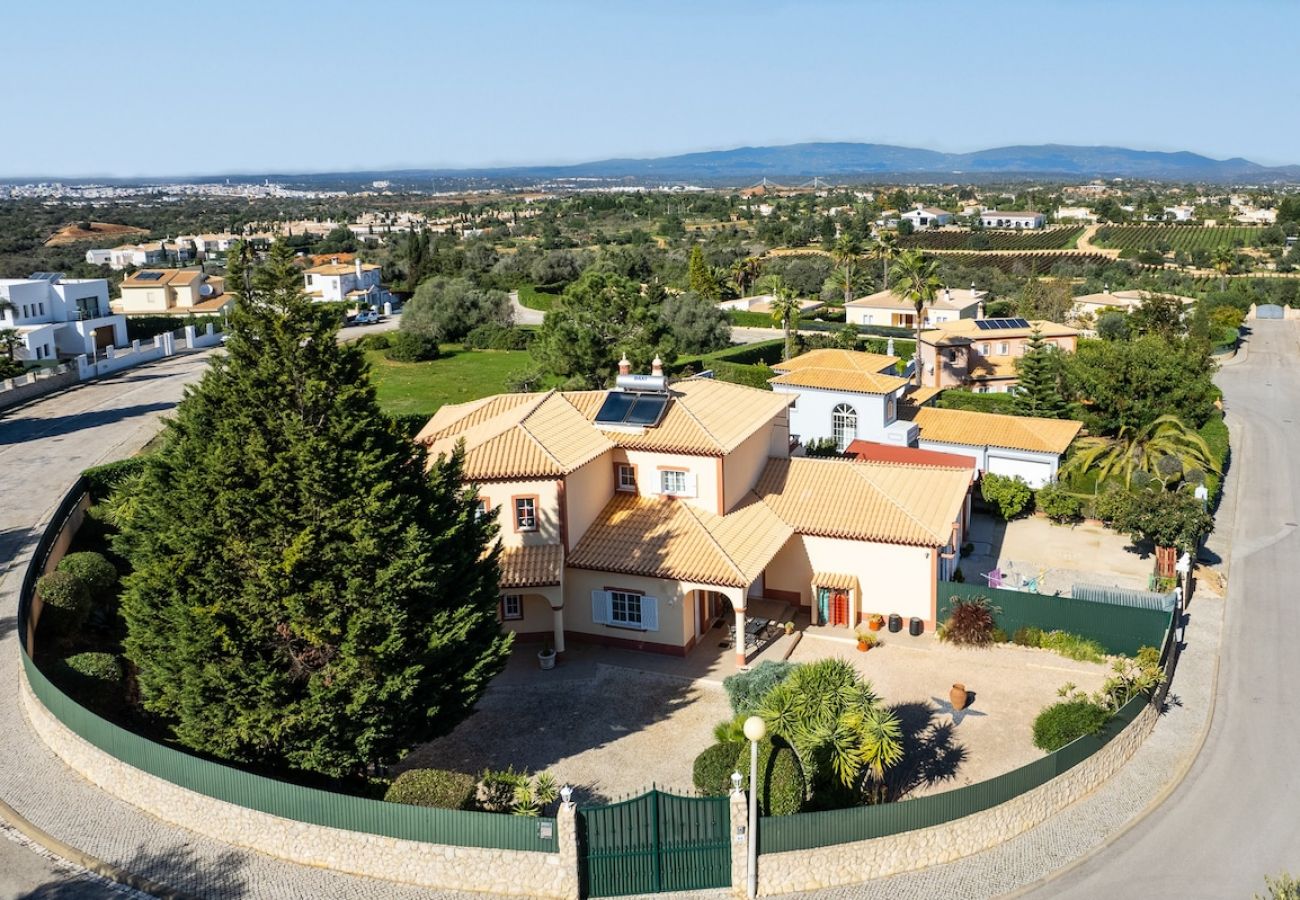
844 425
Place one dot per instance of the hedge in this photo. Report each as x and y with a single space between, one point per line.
781 785
438 788
990 403
711 773
93 678
1063 722
103 479
93 570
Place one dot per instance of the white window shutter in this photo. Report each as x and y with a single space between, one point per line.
649 614
690 485
600 607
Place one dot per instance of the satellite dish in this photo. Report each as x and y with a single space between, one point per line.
205 290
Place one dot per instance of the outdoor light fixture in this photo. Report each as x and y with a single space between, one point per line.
755 731
566 795
735 782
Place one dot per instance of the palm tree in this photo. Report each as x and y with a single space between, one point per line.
918 283
10 338
744 272
886 250
785 307
847 253
1222 262
1166 448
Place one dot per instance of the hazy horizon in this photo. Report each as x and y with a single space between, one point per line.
277 88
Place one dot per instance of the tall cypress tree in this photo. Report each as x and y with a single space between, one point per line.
1038 382
699 276
303 593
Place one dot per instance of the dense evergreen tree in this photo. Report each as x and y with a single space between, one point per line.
303 592
700 276
1038 382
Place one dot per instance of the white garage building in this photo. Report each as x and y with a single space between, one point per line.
1016 446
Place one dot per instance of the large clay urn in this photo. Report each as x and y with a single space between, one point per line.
958 696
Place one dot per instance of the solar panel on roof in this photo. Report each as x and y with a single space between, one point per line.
648 410
615 408
148 276
1000 324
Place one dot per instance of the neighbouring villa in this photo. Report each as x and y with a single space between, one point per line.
173 292
59 318
357 283
888 308
645 515
860 402
1121 301
981 354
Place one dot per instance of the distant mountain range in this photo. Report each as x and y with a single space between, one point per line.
841 160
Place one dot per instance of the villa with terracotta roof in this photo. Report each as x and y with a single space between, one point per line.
844 395
888 308
172 292
981 354
645 515
354 282
1023 447
1122 301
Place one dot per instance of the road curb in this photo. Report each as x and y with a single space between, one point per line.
68 853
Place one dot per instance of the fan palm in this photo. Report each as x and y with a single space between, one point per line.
847 254
1223 261
744 272
785 307
886 250
917 283
1166 448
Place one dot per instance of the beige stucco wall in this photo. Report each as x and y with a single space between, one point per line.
536 607
144 299
586 492
510 872
853 863
893 578
741 468
676 606
704 468
499 495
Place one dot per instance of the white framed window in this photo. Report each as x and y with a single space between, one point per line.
1004 348
512 606
676 483
481 508
626 477
625 609
525 514
844 426
984 349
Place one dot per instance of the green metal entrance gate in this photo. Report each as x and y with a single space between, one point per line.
655 842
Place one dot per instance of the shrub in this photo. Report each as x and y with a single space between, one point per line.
95 572
408 347
95 679
970 622
496 789
1284 887
410 424
711 773
1009 494
494 336
1058 504
535 794
1068 720
103 479
433 787
821 447
379 341
65 595
999 636
746 690
1072 646
781 785
1028 636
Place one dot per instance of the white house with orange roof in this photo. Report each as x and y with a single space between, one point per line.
357 282
888 308
642 516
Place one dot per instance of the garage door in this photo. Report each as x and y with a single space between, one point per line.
1036 474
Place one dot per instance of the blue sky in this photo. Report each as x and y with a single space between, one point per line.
284 86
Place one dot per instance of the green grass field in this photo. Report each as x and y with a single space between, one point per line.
532 298
460 375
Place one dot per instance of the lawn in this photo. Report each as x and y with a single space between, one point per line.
459 375
532 298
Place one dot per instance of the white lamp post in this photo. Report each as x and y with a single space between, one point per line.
755 729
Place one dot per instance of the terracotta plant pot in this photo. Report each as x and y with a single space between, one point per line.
862 645
875 624
958 696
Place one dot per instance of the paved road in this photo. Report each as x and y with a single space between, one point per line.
524 315
1234 819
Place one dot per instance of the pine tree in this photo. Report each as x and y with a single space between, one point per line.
1038 383
700 276
304 593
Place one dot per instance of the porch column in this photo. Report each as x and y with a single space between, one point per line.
814 609
557 627
740 636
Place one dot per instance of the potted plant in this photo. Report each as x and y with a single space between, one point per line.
546 656
866 640
875 621
789 628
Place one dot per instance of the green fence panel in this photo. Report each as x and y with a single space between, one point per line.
1100 593
1119 629
290 801
804 831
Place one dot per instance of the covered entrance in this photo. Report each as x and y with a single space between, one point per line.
654 843
838 601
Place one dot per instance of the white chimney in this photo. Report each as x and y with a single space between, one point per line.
657 366
358 270
624 366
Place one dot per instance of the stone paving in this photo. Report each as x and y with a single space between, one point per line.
43 448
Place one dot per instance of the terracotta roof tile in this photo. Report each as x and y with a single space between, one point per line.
865 500
841 380
524 567
979 429
666 538
844 360
836 580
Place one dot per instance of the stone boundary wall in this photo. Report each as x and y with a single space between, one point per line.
852 863
521 873
29 387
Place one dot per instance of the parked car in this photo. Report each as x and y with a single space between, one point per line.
366 317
